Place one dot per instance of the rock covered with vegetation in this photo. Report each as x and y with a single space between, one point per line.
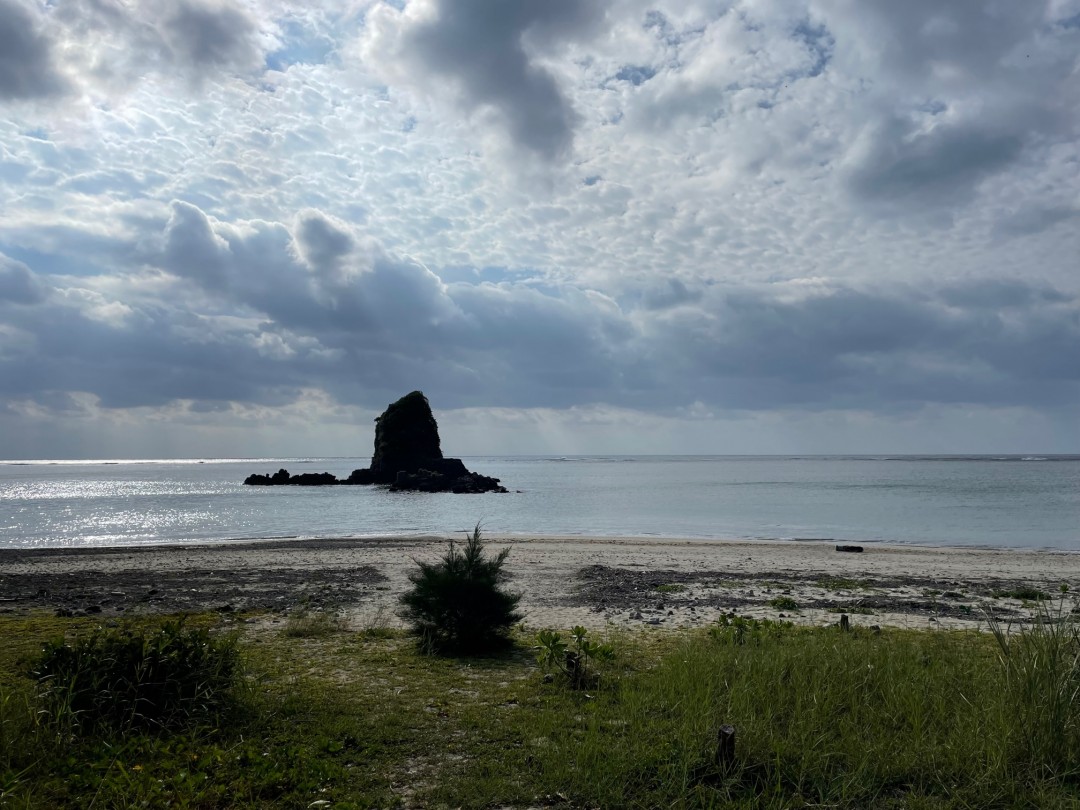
407 456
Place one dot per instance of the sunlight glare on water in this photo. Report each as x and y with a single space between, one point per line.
983 501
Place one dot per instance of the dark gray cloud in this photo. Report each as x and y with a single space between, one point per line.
940 167
120 43
322 243
942 43
1001 343
260 327
1034 219
18 285
484 46
956 93
209 34
27 68
192 249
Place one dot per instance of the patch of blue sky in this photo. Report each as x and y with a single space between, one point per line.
933 107
12 172
637 75
52 264
101 182
819 41
467 274
302 46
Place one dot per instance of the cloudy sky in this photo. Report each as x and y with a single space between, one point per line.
242 227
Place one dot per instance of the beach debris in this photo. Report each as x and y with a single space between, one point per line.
851 549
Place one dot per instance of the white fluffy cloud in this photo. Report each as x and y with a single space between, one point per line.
769 211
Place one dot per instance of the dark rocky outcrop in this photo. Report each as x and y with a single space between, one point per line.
282 477
406 438
407 456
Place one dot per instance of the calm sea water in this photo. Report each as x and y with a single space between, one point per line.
1010 502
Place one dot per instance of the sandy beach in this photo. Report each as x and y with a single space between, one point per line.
627 582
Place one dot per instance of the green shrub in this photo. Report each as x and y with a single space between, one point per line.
784 603
457 605
578 664
128 679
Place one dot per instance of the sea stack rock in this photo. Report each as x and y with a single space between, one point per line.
408 456
406 438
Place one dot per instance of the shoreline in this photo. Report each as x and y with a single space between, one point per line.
565 580
511 537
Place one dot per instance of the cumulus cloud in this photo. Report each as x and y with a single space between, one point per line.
762 207
488 51
943 165
28 68
18 284
382 321
323 243
209 35
953 93
110 47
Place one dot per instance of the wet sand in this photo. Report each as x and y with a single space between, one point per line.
629 582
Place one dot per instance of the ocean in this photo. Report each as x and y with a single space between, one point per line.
987 501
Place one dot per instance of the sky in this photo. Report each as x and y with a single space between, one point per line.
243 227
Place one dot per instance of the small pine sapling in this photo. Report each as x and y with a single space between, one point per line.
457 605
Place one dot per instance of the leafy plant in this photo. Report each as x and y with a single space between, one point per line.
732 629
457 605
577 664
149 679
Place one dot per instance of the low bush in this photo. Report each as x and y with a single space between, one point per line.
578 665
457 605
784 603
121 679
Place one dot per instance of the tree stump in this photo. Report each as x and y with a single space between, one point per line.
725 747
845 622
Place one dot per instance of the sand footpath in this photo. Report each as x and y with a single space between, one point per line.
648 582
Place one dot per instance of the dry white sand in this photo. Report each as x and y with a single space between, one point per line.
635 582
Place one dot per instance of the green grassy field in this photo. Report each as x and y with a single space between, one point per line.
332 718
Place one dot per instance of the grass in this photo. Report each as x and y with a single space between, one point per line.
852 609
671 587
1024 593
901 719
840 584
314 624
784 603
